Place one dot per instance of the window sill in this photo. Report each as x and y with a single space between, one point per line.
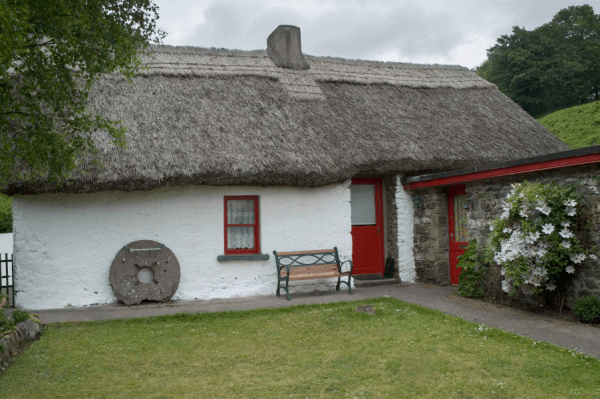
227 258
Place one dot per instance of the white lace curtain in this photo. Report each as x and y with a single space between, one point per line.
240 212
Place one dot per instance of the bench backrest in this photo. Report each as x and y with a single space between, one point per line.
307 258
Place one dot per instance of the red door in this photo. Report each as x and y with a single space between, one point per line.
367 225
457 227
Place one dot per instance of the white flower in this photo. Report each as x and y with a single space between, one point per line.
593 257
504 215
533 237
570 202
544 209
524 214
571 211
550 287
578 258
565 233
503 271
507 230
521 195
548 228
565 224
570 269
541 252
506 286
566 244
594 189
491 227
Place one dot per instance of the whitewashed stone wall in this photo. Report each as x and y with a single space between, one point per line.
406 221
65 243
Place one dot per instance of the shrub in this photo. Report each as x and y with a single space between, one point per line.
472 263
6 219
534 239
587 308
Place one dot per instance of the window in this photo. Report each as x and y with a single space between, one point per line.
241 225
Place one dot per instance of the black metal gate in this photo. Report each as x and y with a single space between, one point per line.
7 281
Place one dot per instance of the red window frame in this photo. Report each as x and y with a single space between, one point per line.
256 249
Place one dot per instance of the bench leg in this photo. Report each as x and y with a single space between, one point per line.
287 290
278 288
337 287
350 283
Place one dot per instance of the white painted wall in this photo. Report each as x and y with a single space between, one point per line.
406 223
65 243
6 243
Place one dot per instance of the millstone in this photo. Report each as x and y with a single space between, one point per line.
144 270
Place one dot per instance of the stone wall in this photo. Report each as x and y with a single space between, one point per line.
430 237
485 200
391 219
70 240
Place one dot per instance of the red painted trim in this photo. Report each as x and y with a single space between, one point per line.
256 249
378 182
512 170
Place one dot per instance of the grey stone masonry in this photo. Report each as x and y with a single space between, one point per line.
485 203
432 261
391 220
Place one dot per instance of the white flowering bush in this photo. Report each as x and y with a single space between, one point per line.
534 239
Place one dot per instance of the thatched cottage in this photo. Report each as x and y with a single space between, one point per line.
307 152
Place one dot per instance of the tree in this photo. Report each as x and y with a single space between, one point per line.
551 67
51 53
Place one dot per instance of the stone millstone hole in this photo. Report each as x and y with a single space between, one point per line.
368 309
145 275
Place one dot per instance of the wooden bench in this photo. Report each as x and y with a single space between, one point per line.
309 265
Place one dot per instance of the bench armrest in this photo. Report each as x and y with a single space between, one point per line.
351 266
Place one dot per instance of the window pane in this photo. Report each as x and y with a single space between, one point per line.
461 231
240 211
362 204
240 237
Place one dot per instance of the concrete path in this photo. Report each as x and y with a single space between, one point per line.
570 335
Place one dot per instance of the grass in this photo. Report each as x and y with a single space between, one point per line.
327 351
577 126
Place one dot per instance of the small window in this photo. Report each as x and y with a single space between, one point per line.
241 225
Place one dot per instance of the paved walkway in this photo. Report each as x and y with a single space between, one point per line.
539 327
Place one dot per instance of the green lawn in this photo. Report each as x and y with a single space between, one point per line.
577 126
306 351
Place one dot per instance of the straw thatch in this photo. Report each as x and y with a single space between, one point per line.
221 117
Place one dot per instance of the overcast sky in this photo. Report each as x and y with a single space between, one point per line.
418 31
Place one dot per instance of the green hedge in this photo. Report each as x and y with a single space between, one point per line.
5 214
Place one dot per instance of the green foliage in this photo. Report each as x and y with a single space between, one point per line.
472 262
577 126
587 308
534 239
551 67
51 53
5 323
5 214
19 316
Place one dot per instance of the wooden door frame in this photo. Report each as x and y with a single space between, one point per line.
453 191
378 182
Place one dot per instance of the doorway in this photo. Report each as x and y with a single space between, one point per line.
366 202
457 227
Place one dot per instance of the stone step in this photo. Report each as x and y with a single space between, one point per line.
371 281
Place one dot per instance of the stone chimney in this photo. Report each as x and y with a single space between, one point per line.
284 47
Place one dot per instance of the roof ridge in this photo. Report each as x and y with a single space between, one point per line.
168 49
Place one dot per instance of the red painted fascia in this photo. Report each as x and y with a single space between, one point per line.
512 170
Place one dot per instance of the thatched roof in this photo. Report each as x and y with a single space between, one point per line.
221 117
